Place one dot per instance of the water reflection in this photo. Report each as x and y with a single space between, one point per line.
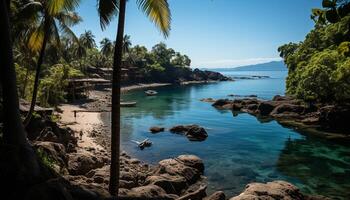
320 166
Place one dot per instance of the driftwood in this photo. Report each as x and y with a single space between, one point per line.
145 143
198 194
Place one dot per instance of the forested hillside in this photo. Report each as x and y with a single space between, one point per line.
319 66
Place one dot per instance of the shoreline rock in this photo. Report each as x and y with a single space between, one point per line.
295 113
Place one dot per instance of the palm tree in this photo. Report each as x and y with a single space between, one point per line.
53 18
159 13
126 44
87 40
24 163
106 47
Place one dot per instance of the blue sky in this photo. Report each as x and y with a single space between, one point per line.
215 33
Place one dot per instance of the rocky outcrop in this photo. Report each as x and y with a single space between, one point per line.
292 112
82 163
199 75
192 132
219 195
274 190
156 129
41 129
54 153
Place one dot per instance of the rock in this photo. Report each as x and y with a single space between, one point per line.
170 184
178 129
271 190
54 151
193 132
198 194
221 103
281 98
265 108
82 163
181 166
335 117
209 100
156 129
192 161
196 133
219 195
149 192
287 107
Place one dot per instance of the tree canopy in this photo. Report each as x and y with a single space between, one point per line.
319 66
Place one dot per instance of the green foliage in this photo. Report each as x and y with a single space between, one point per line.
45 158
52 87
319 67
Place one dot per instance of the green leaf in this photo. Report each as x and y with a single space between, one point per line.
107 9
158 12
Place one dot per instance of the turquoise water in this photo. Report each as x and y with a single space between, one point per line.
240 149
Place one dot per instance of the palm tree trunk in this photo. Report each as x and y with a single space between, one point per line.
23 92
14 132
37 75
116 84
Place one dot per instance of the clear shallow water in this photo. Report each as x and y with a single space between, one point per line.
240 149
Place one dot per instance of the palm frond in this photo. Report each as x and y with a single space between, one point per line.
70 5
68 33
36 38
158 12
29 10
69 18
54 6
107 9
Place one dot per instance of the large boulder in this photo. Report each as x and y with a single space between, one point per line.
172 184
265 108
192 132
192 161
54 153
196 133
219 195
82 163
188 166
156 129
222 103
271 190
287 107
149 192
335 117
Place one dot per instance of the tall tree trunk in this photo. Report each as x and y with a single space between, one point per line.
37 75
115 137
19 163
23 92
14 132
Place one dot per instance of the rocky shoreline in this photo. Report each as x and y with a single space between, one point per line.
77 149
328 121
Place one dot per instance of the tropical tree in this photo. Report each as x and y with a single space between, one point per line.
126 44
52 18
87 40
159 13
106 47
19 154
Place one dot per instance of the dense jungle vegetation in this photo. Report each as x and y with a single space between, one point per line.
319 66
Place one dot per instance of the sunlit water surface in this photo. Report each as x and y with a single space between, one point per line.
240 149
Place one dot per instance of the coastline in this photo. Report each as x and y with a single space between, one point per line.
95 128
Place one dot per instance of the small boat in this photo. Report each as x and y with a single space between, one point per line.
151 92
128 104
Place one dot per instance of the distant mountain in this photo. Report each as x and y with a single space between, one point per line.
270 66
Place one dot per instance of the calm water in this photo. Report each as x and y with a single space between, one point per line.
240 149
